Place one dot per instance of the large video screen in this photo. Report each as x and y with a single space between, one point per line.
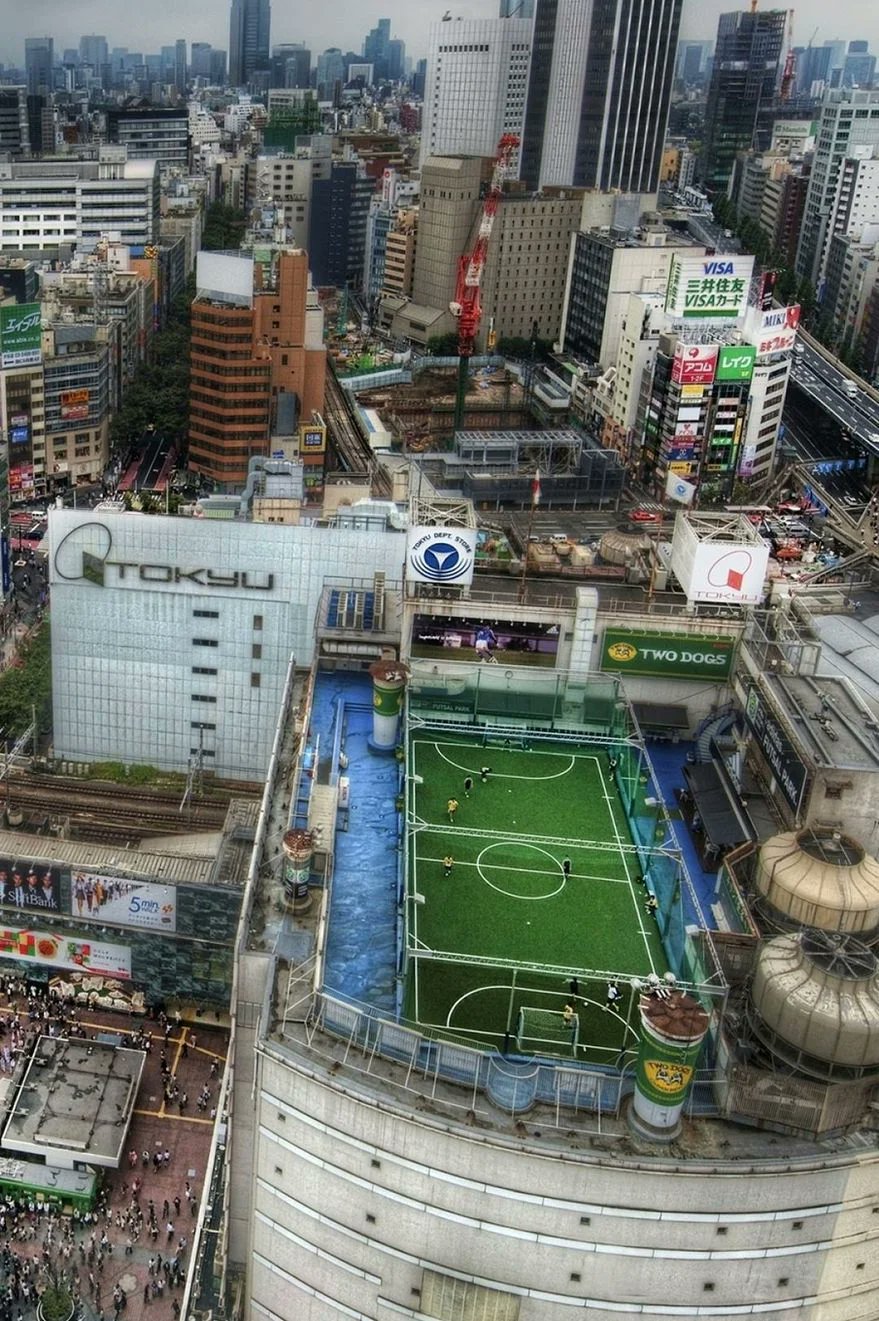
487 641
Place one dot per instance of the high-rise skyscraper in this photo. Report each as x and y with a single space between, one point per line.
598 92
180 65
249 33
93 50
743 82
39 60
477 74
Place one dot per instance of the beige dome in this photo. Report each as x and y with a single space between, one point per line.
820 993
820 878
621 547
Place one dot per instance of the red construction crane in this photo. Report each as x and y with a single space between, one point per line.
467 307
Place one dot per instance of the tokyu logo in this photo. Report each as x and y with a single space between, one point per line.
441 555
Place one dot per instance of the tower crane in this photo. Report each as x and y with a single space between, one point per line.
467 305
790 62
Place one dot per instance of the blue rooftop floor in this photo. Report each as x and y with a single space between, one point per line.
668 762
361 956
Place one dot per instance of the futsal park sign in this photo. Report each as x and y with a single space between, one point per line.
672 655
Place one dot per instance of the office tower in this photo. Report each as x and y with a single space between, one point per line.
859 67
419 78
262 342
93 50
337 225
290 65
396 60
180 65
249 32
39 59
477 74
150 132
598 93
375 47
517 9
845 175
743 82
200 59
691 58
330 73
14 127
813 66
218 68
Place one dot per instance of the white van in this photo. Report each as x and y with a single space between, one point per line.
850 387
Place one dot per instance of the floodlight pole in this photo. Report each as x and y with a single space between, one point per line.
510 1009
523 580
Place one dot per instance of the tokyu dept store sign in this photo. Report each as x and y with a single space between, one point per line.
673 655
711 289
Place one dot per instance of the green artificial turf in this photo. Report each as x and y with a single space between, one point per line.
507 898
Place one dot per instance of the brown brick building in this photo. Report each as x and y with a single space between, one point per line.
244 358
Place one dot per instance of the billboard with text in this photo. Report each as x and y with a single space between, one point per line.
711 289
694 364
115 900
21 331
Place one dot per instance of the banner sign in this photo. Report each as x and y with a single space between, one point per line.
675 655
694 364
47 947
21 333
123 902
774 331
789 771
75 405
736 364
709 288
30 885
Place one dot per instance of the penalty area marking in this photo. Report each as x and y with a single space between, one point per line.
531 990
509 893
500 775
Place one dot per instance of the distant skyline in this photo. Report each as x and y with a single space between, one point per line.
344 23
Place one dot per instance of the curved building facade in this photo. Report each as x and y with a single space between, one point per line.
374 1200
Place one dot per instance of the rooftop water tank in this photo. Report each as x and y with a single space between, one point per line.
820 878
621 547
819 992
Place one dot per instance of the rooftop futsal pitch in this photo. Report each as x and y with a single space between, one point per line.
526 902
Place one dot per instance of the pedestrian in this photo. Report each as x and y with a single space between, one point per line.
566 867
468 785
170 1228
146 1293
484 772
177 1204
448 864
451 808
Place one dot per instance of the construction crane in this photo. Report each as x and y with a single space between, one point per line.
790 62
467 306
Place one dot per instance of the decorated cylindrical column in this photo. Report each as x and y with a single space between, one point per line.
298 848
388 687
673 1027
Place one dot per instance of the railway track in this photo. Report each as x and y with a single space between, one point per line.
351 450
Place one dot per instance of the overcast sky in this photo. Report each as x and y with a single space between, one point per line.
146 27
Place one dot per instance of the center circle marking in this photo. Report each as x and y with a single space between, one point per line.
502 844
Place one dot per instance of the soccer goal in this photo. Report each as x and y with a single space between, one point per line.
546 1029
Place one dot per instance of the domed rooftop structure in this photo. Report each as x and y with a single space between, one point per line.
816 1000
619 547
820 878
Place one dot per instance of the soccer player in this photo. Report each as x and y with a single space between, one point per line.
652 904
468 785
485 640
566 867
448 864
484 772
613 994
451 808
568 1015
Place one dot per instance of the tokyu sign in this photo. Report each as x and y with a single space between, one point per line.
675 655
708 288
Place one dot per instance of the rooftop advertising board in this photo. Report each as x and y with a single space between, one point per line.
675 655
20 335
711 289
774 331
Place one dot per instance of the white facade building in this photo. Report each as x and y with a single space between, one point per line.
171 636
766 404
477 82
848 132
46 203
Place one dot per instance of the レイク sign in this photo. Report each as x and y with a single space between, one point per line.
736 363
708 288
676 655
